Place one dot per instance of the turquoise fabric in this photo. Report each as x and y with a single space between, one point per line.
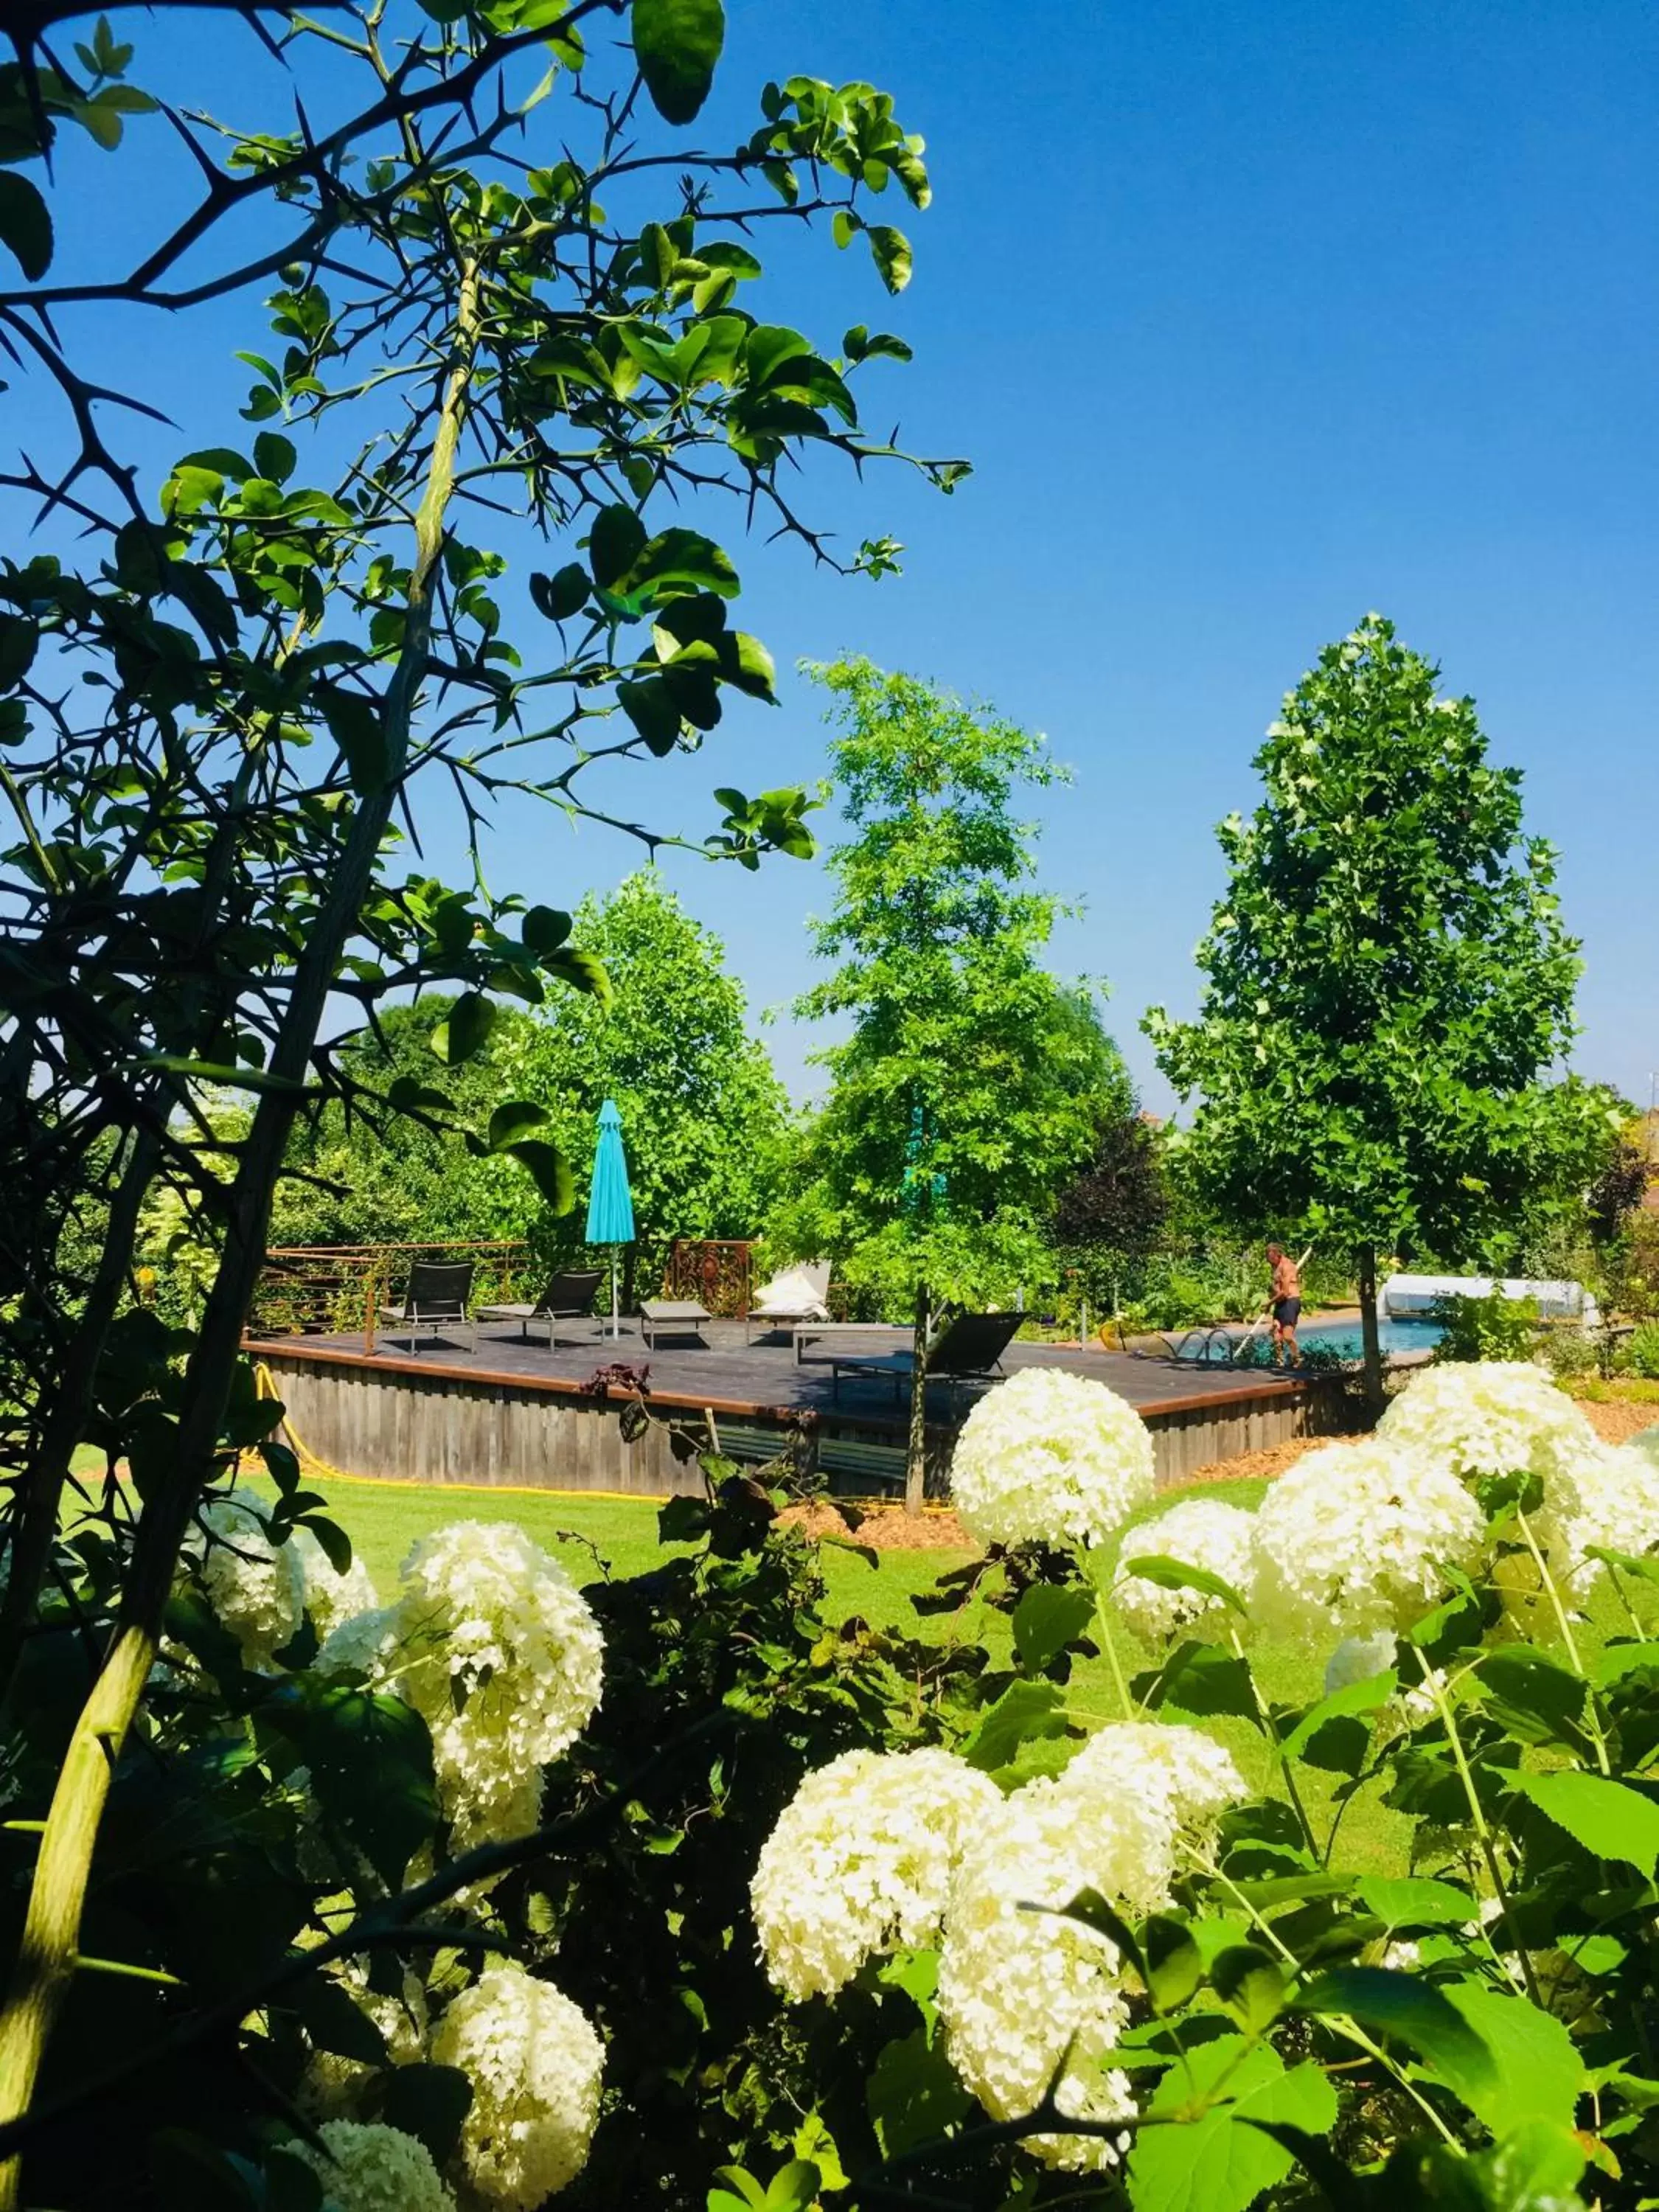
610 1205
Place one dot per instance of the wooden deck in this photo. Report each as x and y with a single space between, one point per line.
514 1412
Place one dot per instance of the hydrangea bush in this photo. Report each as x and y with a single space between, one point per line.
667 1891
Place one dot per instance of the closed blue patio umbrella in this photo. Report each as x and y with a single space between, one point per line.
610 1203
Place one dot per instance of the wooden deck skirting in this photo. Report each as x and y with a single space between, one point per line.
367 1415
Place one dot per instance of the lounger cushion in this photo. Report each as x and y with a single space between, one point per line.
789 1293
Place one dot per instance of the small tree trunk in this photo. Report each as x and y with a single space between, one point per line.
1372 1342
915 1469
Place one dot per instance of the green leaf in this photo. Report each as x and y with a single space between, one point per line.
1401 1902
614 543
746 663
549 1169
1212 2161
519 1118
464 1033
1173 1964
1414 2012
793 2188
274 456
1533 1696
1174 1574
582 970
1049 1617
1198 1679
1353 1698
1025 1709
370 1759
1539 2070
652 708
331 1537
679 561
891 250
677 45
1251 1983
767 347
24 225
563 594
429 2103
544 928
334 2023
1609 1819
913 2095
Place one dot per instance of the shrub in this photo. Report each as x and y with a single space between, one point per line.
1491 1327
1641 1352
1569 1352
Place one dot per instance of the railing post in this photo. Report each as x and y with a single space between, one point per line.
371 1308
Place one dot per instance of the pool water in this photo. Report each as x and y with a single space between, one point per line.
1343 1340
1346 1337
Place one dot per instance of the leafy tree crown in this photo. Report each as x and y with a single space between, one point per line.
1387 977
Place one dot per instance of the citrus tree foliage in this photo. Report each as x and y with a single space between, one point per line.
971 1081
703 1115
509 330
1387 981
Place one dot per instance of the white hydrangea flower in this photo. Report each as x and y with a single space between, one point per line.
494 1645
256 1588
1200 1532
1020 1991
1050 1457
261 1591
860 1863
1618 1508
1490 1417
1183 1775
373 2168
535 2064
1352 1541
330 2083
332 1597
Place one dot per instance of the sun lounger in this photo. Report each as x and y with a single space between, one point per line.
966 1350
437 1299
568 1296
679 1317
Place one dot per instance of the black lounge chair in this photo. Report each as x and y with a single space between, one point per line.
437 1298
568 1296
966 1350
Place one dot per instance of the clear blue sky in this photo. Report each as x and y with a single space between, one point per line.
1250 318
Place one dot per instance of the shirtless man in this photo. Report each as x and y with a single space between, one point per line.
1287 1305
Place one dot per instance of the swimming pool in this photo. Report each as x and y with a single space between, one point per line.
1342 1339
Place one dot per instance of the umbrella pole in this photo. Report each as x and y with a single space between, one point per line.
616 1323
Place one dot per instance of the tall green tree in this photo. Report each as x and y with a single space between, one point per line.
1387 982
704 1117
970 1085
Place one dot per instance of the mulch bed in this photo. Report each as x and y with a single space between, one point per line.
882 1528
